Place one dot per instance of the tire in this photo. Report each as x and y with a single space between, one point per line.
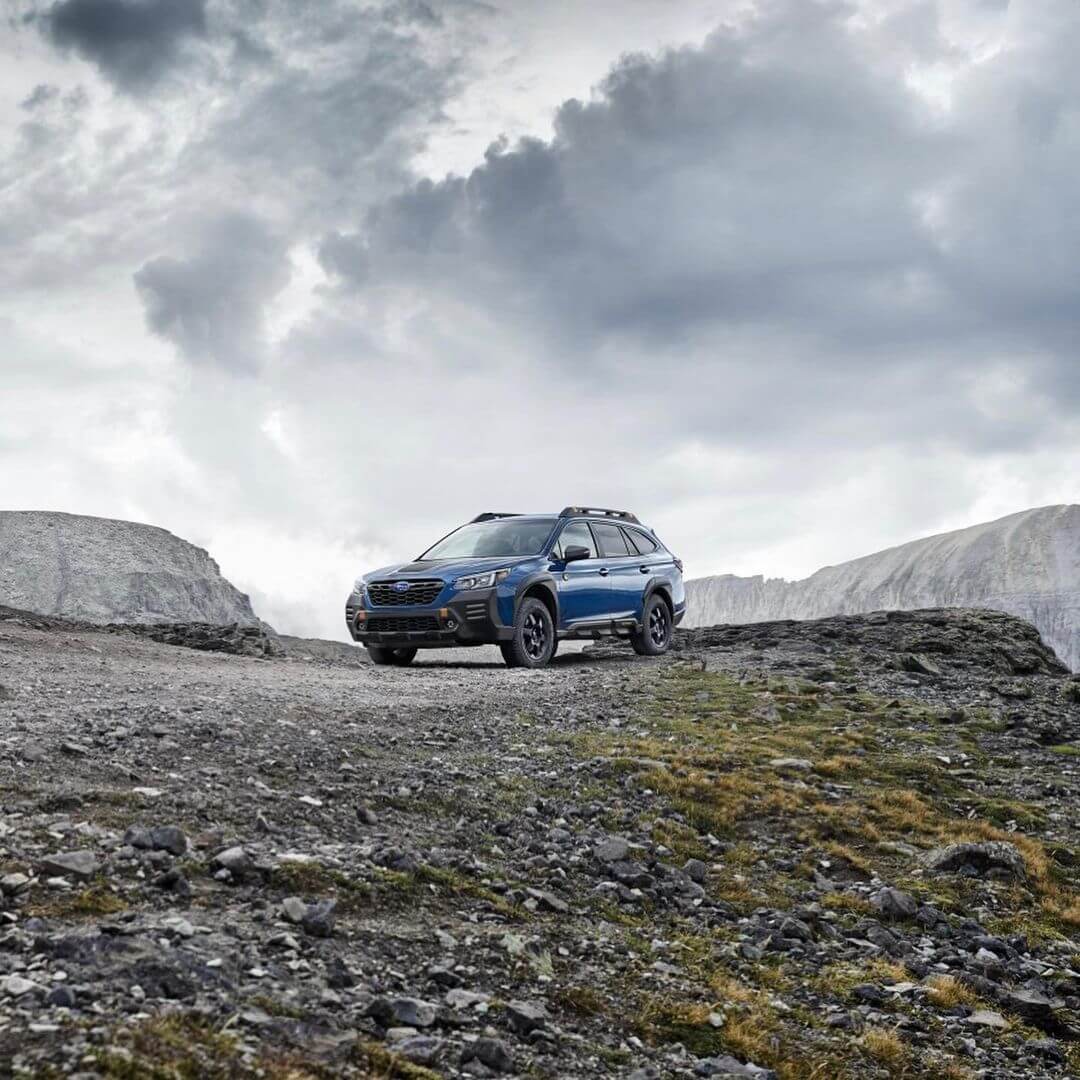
533 643
391 657
507 651
654 639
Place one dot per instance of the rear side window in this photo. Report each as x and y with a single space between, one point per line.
644 545
577 534
609 539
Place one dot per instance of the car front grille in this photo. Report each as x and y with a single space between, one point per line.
419 593
400 624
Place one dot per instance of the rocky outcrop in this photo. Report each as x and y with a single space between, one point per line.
1026 564
102 571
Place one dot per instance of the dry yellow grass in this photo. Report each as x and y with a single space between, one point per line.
729 989
903 811
841 765
1065 909
885 1046
838 979
946 991
847 854
857 905
748 1037
952 1070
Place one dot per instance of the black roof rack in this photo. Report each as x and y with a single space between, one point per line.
489 515
587 511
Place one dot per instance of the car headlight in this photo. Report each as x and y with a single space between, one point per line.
358 587
481 581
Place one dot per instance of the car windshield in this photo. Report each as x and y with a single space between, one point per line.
494 539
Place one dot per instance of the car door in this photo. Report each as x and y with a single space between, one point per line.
627 582
646 558
584 591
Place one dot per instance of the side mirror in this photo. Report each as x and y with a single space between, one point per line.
576 554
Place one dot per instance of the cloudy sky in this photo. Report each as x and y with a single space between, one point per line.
308 284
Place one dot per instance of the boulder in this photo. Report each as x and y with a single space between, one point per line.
993 859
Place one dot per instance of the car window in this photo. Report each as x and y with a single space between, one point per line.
609 539
577 534
644 545
494 539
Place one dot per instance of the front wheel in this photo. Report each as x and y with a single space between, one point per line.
392 657
654 638
533 643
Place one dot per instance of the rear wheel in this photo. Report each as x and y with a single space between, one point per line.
392 657
533 643
654 638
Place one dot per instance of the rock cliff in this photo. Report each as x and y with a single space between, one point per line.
103 571
1026 564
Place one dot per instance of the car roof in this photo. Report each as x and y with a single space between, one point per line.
569 514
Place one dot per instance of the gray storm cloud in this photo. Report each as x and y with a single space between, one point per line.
724 184
784 216
133 42
211 303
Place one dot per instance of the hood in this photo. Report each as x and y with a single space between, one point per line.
447 569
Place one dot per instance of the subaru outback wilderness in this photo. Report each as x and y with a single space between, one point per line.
524 582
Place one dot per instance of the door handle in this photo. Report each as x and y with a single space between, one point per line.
603 571
643 569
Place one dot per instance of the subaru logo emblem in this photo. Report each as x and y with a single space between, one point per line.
400 586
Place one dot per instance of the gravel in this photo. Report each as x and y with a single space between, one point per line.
476 871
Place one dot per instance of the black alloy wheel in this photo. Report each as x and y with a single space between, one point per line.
534 636
533 643
654 637
659 626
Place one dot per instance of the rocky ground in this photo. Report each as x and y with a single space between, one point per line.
845 848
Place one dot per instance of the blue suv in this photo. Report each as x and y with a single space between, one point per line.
524 582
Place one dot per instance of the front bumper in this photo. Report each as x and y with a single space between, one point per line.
471 618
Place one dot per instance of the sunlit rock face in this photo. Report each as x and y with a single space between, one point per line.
1026 564
104 571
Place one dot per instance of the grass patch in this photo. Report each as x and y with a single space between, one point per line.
706 749
848 902
946 992
437 881
92 902
876 796
274 1007
177 1047
664 1020
751 1031
188 1046
840 979
384 1064
887 1048
583 1000
311 879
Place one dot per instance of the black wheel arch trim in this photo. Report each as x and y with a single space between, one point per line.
548 583
662 587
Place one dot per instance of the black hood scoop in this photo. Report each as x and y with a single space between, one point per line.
413 568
